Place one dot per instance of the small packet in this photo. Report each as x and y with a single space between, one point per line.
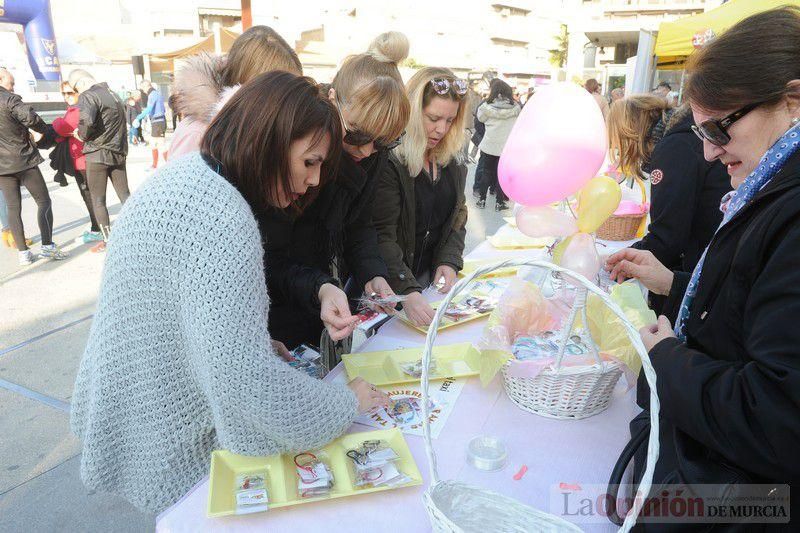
308 360
315 477
376 302
251 492
251 498
255 480
374 465
414 368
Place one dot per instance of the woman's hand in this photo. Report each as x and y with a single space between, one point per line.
335 312
450 276
641 265
655 333
281 350
369 397
418 310
381 287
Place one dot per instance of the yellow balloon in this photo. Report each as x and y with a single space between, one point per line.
597 201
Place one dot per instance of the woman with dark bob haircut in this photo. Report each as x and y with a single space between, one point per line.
728 375
179 361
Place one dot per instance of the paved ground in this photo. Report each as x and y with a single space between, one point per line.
45 315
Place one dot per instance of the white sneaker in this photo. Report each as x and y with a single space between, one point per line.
27 258
52 252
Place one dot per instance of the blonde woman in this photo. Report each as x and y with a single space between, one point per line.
685 188
420 211
313 256
204 82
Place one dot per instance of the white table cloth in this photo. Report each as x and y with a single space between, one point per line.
555 451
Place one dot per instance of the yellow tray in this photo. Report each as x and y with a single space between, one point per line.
282 475
511 221
444 324
471 266
518 242
383 368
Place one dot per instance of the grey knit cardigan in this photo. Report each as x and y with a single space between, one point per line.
179 360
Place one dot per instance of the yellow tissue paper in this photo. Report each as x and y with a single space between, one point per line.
607 329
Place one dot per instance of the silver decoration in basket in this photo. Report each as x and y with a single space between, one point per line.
458 507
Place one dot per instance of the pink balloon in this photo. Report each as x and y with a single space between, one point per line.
581 256
545 222
557 144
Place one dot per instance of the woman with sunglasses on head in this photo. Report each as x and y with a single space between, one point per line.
420 211
179 361
685 188
334 240
66 127
498 113
728 376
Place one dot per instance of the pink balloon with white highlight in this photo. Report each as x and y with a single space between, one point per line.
557 145
581 256
545 222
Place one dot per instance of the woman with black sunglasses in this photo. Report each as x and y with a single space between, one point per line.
685 188
420 211
728 376
313 255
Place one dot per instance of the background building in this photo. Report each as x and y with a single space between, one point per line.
605 34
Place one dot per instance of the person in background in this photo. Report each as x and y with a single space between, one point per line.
139 98
479 130
156 113
685 188
175 113
204 81
65 127
662 89
19 167
132 110
179 360
420 211
728 375
593 88
102 129
499 113
6 233
617 94
333 244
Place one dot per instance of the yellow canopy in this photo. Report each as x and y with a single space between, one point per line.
677 40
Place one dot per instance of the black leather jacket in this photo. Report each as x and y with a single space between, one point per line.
102 126
17 150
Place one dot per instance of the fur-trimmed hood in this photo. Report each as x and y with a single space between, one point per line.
198 87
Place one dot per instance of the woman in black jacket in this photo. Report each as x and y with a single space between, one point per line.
311 256
420 211
728 378
685 188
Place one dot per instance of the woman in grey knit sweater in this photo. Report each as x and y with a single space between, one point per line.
179 360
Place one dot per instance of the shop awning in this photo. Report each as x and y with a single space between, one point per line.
206 45
678 39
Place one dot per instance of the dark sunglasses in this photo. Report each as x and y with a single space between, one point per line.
442 86
716 131
359 138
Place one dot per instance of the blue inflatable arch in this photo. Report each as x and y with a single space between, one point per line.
37 23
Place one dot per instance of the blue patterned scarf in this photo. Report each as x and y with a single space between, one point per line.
767 168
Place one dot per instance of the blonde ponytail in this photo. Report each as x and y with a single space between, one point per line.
389 47
369 85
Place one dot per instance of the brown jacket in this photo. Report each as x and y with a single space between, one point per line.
393 214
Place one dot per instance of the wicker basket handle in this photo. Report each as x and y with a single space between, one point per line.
579 280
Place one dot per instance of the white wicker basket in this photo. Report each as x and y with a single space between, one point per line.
457 507
566 393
